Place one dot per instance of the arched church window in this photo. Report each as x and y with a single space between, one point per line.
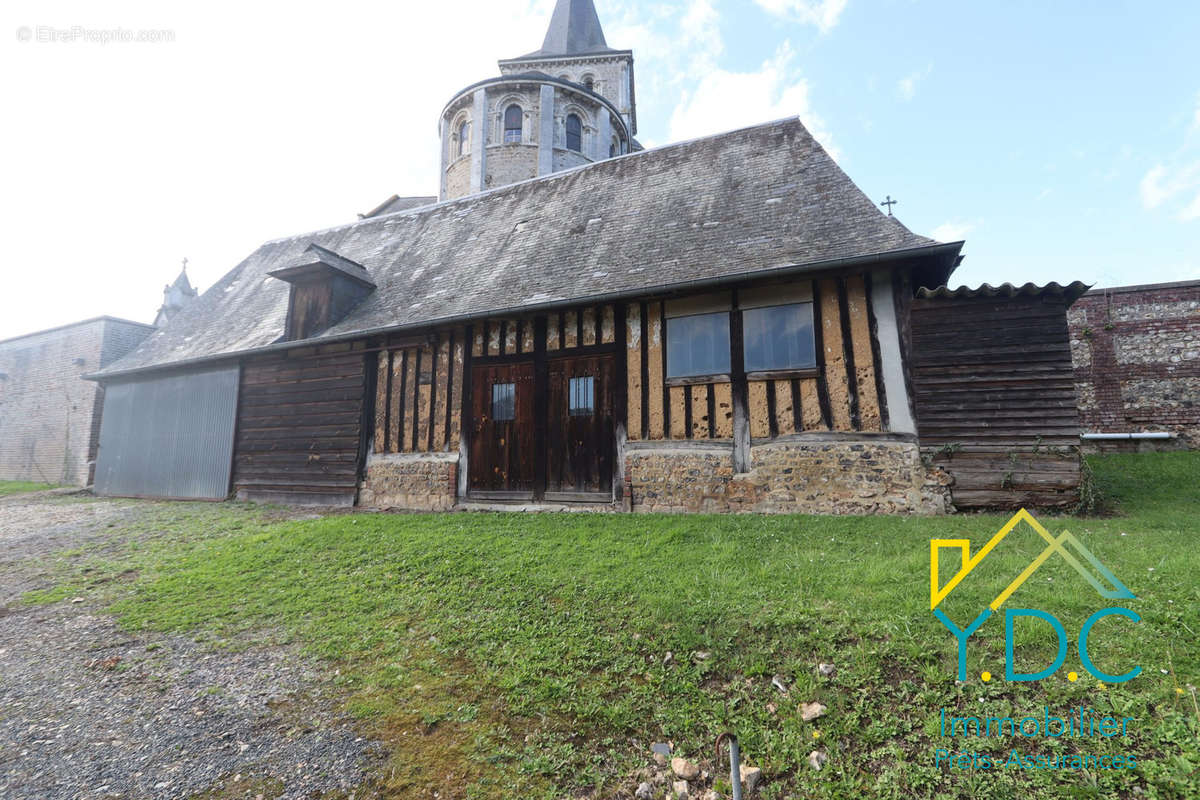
464 135
589 83
512 124
614 149
574 133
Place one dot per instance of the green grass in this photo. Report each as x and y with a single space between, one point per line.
518 655
23 487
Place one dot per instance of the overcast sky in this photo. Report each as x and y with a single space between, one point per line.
1062 141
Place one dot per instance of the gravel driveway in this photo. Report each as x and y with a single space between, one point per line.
90 711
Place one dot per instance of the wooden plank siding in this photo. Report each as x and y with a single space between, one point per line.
846 377
995 398
299 426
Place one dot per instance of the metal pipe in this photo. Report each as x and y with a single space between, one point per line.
735 763
1126 436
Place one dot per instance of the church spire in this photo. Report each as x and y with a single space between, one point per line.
574 30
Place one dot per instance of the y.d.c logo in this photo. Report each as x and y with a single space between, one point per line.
1075 554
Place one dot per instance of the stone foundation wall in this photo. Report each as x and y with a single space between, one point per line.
411 482
821 476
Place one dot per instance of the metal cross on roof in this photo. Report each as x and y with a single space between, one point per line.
889 203
185 265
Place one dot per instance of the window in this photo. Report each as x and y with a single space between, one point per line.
504 402
464 136
574 133
512 124
698 345
614 149
583 397
779 338
589 83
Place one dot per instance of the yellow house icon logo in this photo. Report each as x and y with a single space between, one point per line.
1106 584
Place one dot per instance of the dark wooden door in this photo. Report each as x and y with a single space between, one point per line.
502 450
580 427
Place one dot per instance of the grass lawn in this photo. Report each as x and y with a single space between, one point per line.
523 656
22 487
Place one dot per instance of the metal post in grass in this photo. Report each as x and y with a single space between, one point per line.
735 763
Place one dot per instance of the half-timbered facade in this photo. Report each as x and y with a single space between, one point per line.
725 324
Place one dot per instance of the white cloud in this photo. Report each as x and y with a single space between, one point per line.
726 100
821 13
906 87
1192 212
1175 181
954 231
1163 184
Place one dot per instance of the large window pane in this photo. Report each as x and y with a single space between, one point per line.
698 345
779 337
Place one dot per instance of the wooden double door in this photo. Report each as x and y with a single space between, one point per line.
545 433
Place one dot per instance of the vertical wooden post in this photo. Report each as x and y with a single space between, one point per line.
541 407
741 414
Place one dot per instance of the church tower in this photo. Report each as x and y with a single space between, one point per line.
568 104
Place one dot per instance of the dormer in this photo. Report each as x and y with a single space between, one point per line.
325 288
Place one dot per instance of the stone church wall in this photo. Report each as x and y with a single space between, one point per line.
49 415
510 163
458 177
1136 353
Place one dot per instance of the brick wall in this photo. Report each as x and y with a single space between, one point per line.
49 415
1136 353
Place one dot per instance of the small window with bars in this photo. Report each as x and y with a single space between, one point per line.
583 397
504 402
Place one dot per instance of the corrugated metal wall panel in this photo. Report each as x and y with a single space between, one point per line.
169 437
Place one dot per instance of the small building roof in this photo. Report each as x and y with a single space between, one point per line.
756 202
397 203
1071 292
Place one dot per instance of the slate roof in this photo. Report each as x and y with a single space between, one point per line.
574 31
757 201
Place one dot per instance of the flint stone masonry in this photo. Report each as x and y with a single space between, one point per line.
411 482
1136 354
788 476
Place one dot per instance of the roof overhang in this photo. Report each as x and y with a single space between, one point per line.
940 254
321 263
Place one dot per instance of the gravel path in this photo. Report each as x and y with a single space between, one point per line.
89 711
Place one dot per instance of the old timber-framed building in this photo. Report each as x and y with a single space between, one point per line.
724 324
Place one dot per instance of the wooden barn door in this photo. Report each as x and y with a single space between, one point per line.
580 428
502 450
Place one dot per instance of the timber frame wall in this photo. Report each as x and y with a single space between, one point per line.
419 393
842 393
422 384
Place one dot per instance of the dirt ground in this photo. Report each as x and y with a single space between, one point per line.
88 710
